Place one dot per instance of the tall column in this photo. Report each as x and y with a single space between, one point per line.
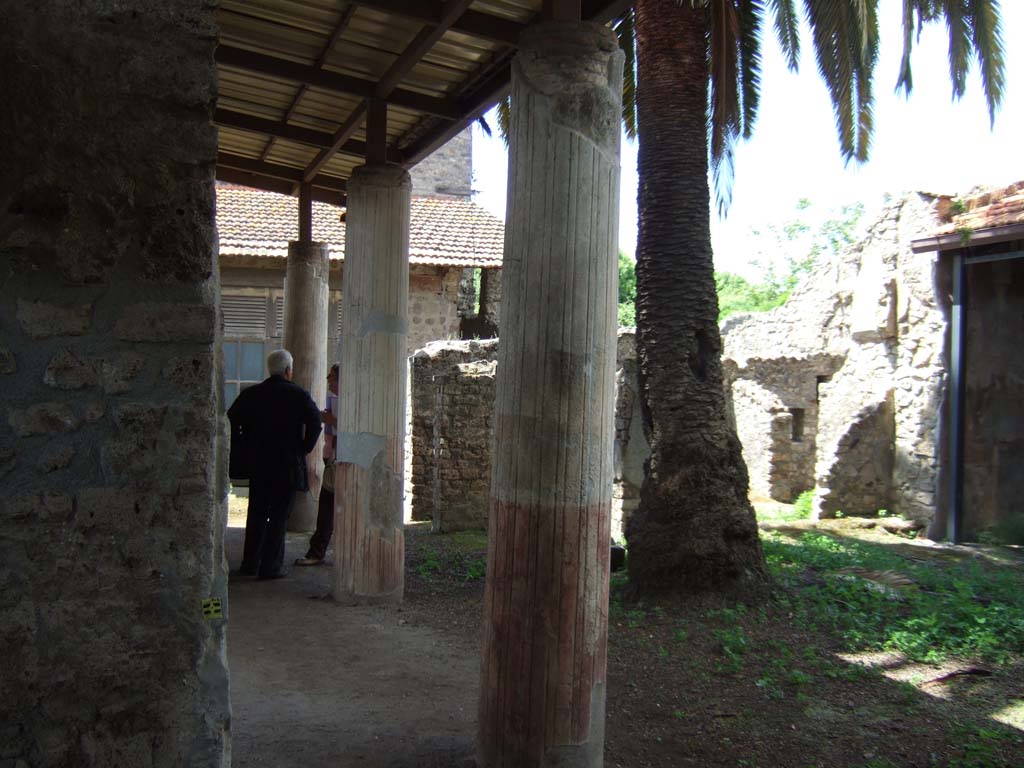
370 542
305 336
542 699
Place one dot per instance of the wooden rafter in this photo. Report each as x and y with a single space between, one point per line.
421 44
259 181
339 29
284 69
275 171
282 130
475 23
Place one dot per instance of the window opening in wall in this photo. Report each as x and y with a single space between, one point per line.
819 380
243 367
476 290
798 424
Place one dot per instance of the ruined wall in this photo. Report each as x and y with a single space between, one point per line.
452 433
448 171
111 440
433 313
452 430
774 403
865 331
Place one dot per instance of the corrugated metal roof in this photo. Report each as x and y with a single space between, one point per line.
313 65
443 231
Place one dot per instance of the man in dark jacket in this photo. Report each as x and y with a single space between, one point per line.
274 424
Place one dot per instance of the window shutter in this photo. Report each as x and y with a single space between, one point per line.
244 316
279 316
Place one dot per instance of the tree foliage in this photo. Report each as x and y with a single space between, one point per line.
627 291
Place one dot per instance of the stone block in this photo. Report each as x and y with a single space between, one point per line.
118 371
66 370
48 509
43 419
56 457
166 321
8 363
42 320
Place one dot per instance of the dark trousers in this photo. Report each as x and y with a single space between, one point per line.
270 502
321 537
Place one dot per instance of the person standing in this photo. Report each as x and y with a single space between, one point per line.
321 537
275 423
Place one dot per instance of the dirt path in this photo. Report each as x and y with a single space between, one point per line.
317 684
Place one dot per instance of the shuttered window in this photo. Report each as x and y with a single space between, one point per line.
279 317
244 316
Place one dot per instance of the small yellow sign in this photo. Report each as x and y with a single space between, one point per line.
212 609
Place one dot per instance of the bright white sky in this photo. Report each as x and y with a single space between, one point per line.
927 142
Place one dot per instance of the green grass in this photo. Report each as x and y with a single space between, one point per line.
951 610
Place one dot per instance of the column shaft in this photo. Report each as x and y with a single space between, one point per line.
370 544
305 336
545 615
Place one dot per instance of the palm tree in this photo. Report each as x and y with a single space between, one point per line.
698 87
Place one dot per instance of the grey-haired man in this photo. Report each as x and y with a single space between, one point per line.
275 424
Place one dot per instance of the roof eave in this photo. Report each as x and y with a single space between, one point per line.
957 240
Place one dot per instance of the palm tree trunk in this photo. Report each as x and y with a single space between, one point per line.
694 529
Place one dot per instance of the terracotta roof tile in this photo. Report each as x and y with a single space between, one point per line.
443 231
986 210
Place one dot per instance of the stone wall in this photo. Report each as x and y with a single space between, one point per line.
858 348
452 433
111 440
774 407
448 171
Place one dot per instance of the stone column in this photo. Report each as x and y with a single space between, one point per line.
545 615
369 538
305 336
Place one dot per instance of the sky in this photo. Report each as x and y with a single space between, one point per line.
927 142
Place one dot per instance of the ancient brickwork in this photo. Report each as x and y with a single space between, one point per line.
448 170
111 437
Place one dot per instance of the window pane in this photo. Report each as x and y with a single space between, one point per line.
230 360
230 393
252 361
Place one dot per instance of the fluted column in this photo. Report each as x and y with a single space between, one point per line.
305 336
544 650
370 544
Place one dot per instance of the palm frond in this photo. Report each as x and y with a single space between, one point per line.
750 14
787 28
505 119
725 116
959 44
988 44
626 34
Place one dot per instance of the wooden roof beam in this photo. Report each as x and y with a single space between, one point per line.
285 69
400 67
275 171
475 23
256 181
283 130
339 29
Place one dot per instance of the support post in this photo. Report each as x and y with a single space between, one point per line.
305 336
370 544
305 213
957 334
544 656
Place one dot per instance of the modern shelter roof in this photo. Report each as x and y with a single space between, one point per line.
298 78
443 231
981 218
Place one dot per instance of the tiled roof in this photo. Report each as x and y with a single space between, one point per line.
986 210
443 231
